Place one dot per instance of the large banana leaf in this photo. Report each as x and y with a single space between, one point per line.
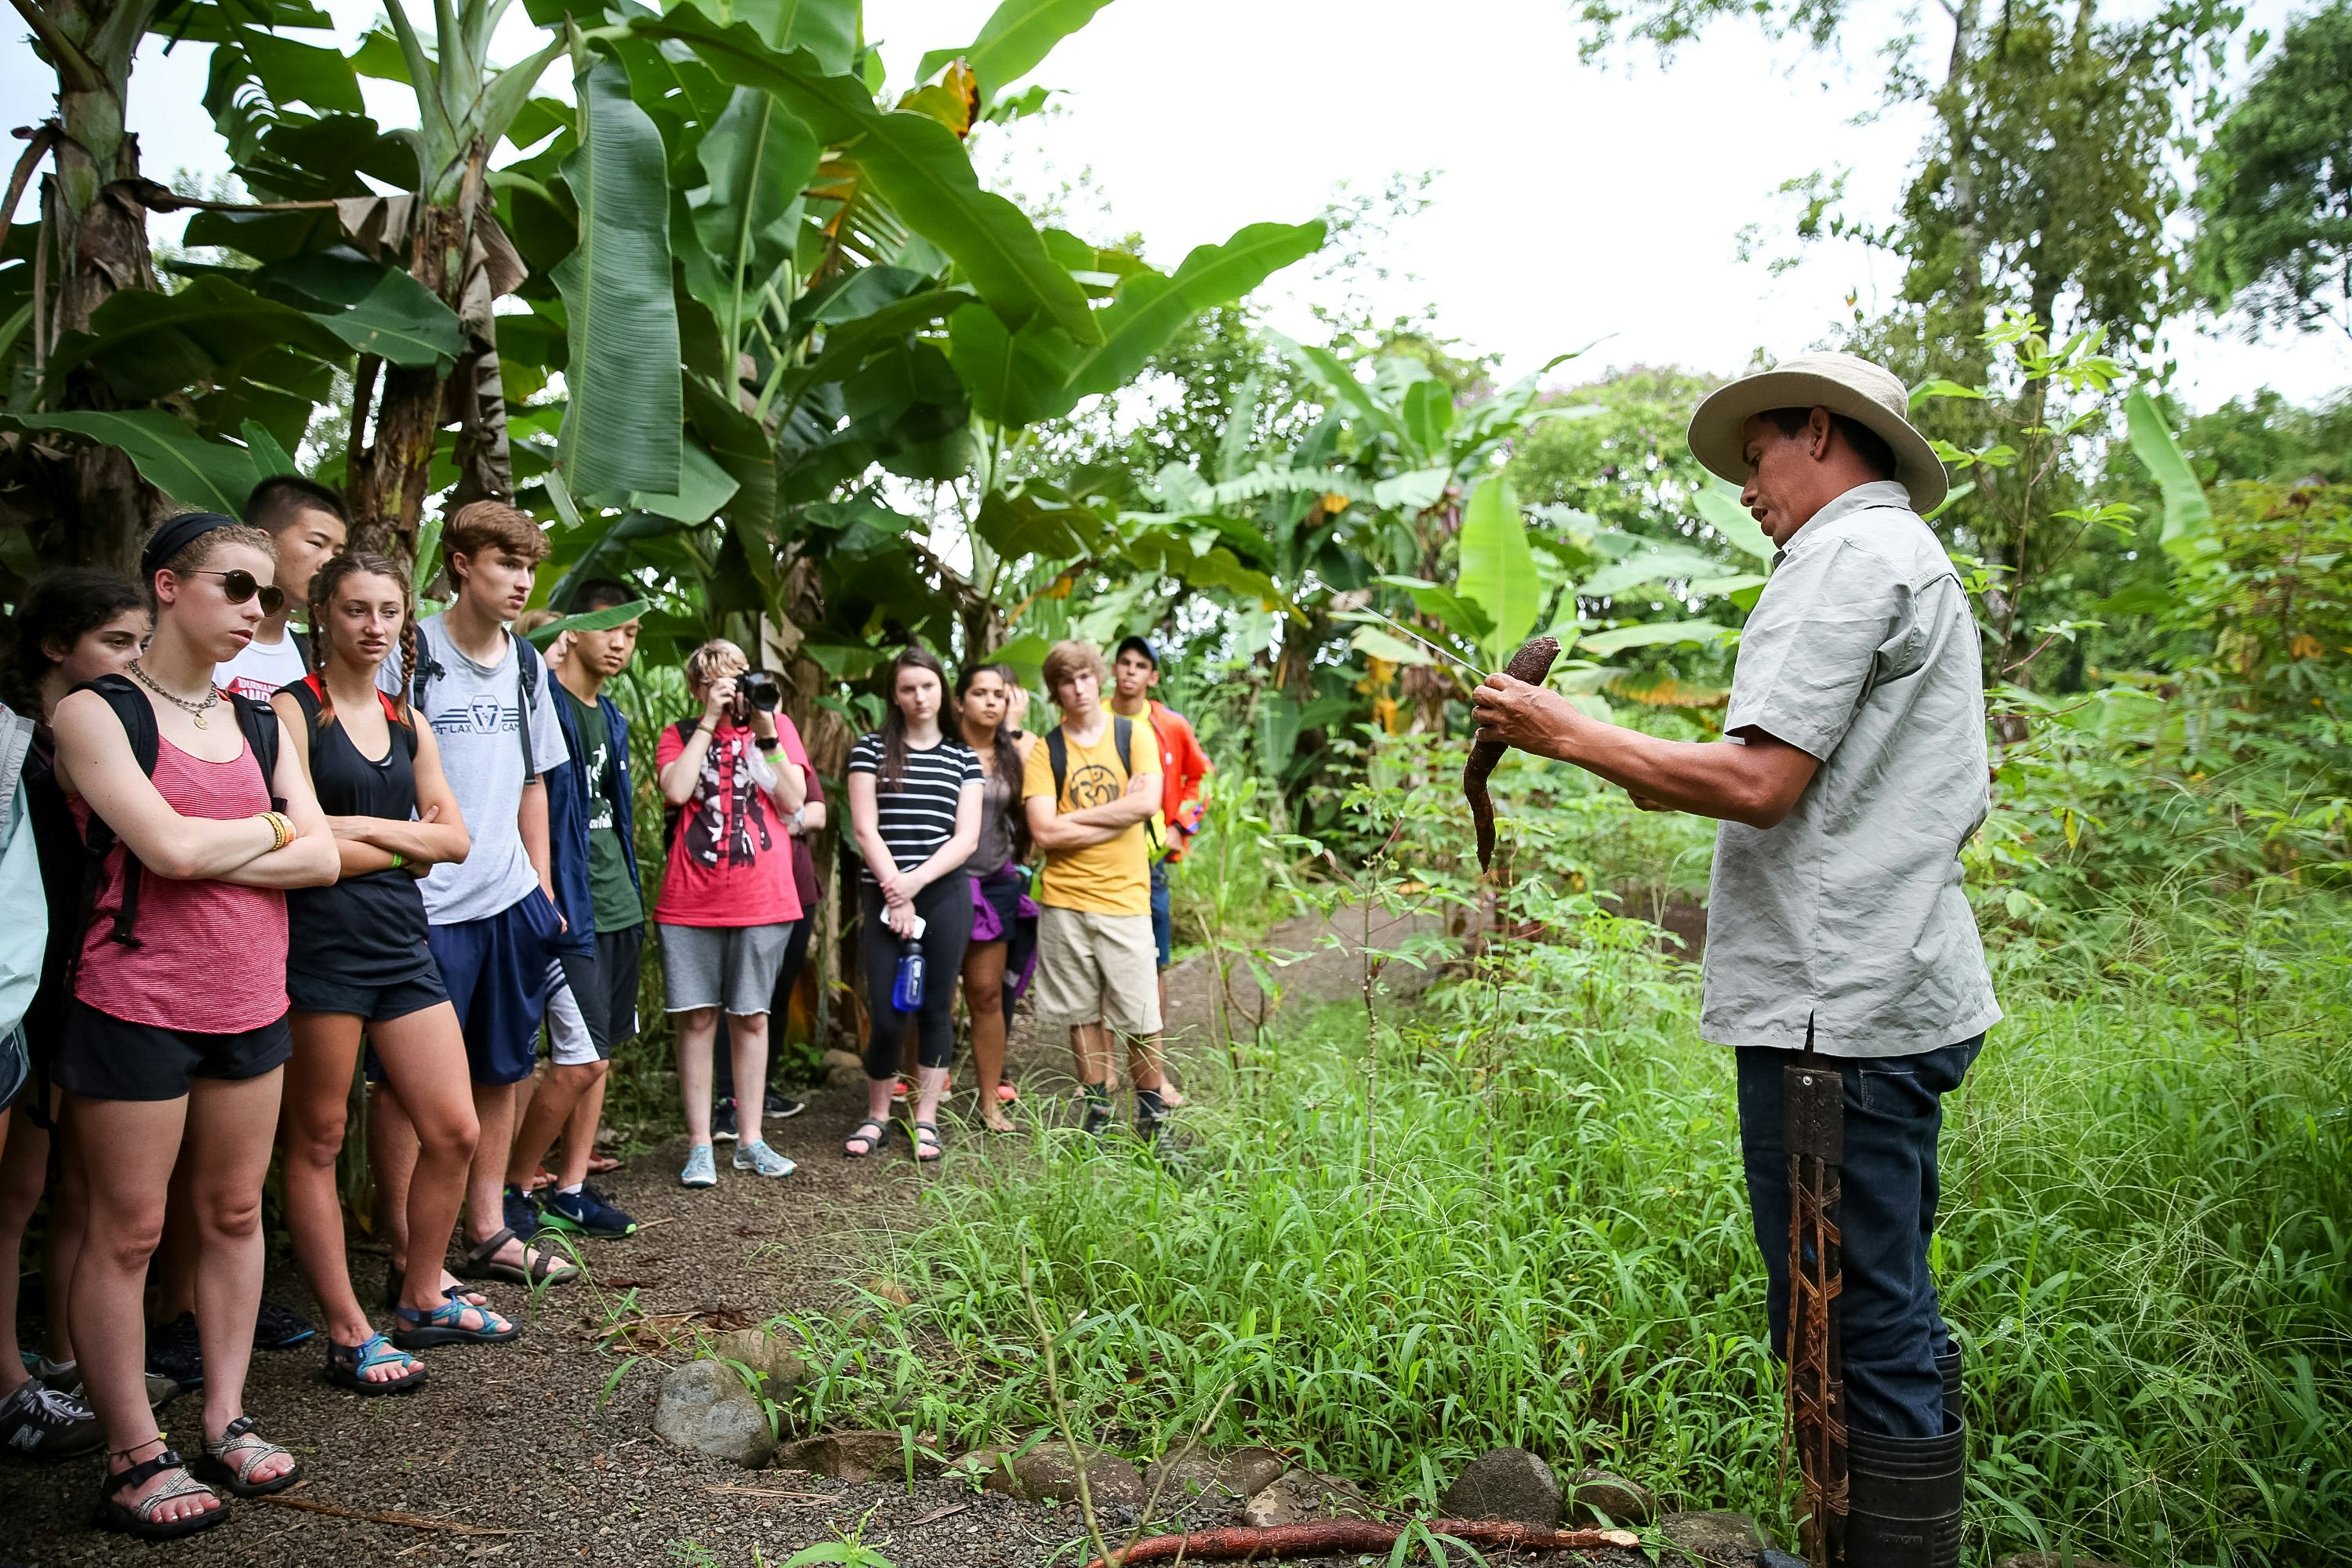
825 28
1719 504
620 431
911 162
1148 308
1657 563
1014 40
211 476
1015 378
1499 569
149 344
1652 634
2188 515
756 157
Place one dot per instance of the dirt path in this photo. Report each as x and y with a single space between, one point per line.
520 1446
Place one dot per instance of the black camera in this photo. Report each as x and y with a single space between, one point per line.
757 688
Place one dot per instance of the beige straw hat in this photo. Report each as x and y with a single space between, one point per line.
1870 394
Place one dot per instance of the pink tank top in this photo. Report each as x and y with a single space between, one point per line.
211 955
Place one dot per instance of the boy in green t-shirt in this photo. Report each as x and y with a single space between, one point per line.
1087 797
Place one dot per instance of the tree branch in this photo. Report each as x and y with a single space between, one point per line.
44 137
77 72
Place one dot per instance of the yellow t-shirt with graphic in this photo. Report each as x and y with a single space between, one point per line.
1113 878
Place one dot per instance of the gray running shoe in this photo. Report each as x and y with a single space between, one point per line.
39 1423
65 1376
757 1156
701 1170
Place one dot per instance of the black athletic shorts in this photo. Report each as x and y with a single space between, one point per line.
102 1057
371 1004
603 987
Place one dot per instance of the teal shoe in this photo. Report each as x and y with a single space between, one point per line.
701 1170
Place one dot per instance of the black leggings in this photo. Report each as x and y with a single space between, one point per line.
946 909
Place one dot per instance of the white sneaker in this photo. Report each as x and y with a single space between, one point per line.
757 1156
701 1170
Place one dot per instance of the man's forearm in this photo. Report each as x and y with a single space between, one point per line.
1721 779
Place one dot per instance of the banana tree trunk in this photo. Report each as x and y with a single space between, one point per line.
93 243
388 472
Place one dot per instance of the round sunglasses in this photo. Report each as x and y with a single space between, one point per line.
238 586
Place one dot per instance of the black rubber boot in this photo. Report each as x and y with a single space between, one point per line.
1902 1500
1947 1366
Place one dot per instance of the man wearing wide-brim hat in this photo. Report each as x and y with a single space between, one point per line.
1852 772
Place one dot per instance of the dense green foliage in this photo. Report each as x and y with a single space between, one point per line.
2142 1240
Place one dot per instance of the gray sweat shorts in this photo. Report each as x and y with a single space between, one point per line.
732 967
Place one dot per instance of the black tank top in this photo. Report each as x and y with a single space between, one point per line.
368 930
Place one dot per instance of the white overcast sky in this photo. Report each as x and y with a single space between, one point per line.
1572 203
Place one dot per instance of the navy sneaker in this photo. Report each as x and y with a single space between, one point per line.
522 1212
781 1107
277 1328
722 1122
174 1352
587 1213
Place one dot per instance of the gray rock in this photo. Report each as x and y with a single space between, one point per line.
779 1370
1506 1484
854 1456
705 1407
2049 1560
1597 1492
1716 1535
1222 1481
843 1069
1296 1497
1772 1557
1046 1471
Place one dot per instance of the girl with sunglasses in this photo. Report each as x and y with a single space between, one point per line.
358 961
178 1032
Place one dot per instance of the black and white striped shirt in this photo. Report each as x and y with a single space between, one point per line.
919 815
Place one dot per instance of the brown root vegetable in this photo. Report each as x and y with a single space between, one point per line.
1530 664
1336 1537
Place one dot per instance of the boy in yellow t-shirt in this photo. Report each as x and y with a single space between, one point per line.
1088 798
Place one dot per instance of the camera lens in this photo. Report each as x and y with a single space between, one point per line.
762 689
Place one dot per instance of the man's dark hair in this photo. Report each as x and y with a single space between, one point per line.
278 500
600 593
1867 444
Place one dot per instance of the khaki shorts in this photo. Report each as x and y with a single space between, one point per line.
1094 968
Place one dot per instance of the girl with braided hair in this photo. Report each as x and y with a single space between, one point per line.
358 961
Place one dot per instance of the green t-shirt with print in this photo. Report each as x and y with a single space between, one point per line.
611 893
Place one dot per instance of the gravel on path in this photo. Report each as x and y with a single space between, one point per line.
522 1455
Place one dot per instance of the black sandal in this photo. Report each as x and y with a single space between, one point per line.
481 1263
348 1367
230 1463
138 1518
393 1279
929 1151
870 1132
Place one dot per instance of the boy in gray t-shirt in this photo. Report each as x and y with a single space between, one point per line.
493 921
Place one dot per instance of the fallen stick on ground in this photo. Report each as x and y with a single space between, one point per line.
935 1518
413 1521
800 1499
1334 1537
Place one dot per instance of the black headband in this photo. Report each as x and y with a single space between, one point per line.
176 534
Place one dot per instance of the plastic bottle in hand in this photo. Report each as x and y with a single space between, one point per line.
907 988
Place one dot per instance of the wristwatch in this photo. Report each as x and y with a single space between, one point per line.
770 743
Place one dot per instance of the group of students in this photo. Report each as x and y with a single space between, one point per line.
266 854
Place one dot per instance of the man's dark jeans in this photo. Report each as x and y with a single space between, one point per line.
1890 1329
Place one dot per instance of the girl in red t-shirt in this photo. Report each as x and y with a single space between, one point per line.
733 778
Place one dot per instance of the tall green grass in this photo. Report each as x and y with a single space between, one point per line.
2147 1183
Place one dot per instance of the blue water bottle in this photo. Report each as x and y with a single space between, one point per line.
906 989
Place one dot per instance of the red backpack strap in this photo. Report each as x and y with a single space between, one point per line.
384 701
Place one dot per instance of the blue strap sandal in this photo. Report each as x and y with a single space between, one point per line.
348 1367
445 1325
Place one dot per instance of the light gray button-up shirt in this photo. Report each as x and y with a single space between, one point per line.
1850 916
